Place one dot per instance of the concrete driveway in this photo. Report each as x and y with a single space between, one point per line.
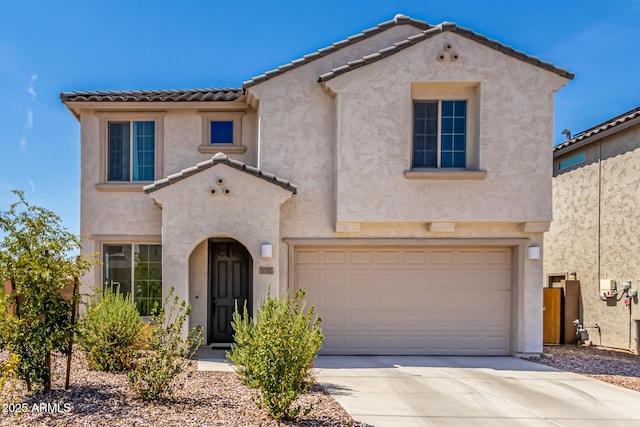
403 391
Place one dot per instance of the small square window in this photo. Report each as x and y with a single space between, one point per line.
221 132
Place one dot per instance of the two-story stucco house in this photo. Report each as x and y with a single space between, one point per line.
595 231
400 176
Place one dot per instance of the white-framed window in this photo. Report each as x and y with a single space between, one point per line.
131 150
221 132
440 134
135 270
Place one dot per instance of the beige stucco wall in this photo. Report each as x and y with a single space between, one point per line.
347 148
250 214
596 219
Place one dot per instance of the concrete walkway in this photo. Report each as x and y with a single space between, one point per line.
408 391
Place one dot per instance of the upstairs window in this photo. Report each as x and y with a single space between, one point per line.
131 148
440 134
221 132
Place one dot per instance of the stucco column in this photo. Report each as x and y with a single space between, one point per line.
530 301
175 265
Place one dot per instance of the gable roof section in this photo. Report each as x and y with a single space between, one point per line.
599 131
220 158
195 95
433 31
397 20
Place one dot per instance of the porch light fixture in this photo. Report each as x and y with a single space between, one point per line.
266 250
533 252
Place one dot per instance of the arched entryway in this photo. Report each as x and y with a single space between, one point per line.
230 268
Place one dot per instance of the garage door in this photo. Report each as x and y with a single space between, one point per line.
409 300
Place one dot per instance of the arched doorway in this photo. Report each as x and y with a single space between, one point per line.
230 282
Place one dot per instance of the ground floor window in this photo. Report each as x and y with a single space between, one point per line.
135 270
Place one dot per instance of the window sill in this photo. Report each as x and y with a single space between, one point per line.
445 175
129 187
222 148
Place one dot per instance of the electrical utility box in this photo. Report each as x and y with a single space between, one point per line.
607 287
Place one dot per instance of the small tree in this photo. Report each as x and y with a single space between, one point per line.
275 352
36 255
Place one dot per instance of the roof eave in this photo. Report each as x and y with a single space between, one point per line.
433 31
217 159
577 143
334 47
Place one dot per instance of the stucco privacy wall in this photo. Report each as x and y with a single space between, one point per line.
596 219
190 215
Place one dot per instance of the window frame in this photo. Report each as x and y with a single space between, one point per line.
131 244
439 132
425 91
105 118
131 172
236 147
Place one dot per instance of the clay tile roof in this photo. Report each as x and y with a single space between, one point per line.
194 95
433 31
616 122
397 20
217 159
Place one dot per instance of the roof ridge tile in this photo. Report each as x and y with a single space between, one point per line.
435 30
618 120
219 158
397 20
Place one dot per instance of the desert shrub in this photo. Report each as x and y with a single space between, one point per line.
275 352
244 348
144 336
167 354
109 331
8 376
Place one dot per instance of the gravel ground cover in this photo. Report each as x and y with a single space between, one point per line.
102 399
219 399
615 366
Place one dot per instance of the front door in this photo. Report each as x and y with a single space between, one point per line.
229 283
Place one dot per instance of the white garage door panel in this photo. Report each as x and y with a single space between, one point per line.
409 300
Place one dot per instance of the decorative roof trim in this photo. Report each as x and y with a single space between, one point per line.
613 125
219 158
433 31
397 20
191 95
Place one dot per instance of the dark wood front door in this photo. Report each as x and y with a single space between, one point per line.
229 282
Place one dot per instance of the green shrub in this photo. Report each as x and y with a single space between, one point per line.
39 256
109 331
167 354
275 352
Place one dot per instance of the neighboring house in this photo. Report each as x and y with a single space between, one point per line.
399 176
596 225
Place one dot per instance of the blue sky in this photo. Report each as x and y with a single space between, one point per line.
47 47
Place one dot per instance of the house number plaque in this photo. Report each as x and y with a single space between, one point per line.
265 270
